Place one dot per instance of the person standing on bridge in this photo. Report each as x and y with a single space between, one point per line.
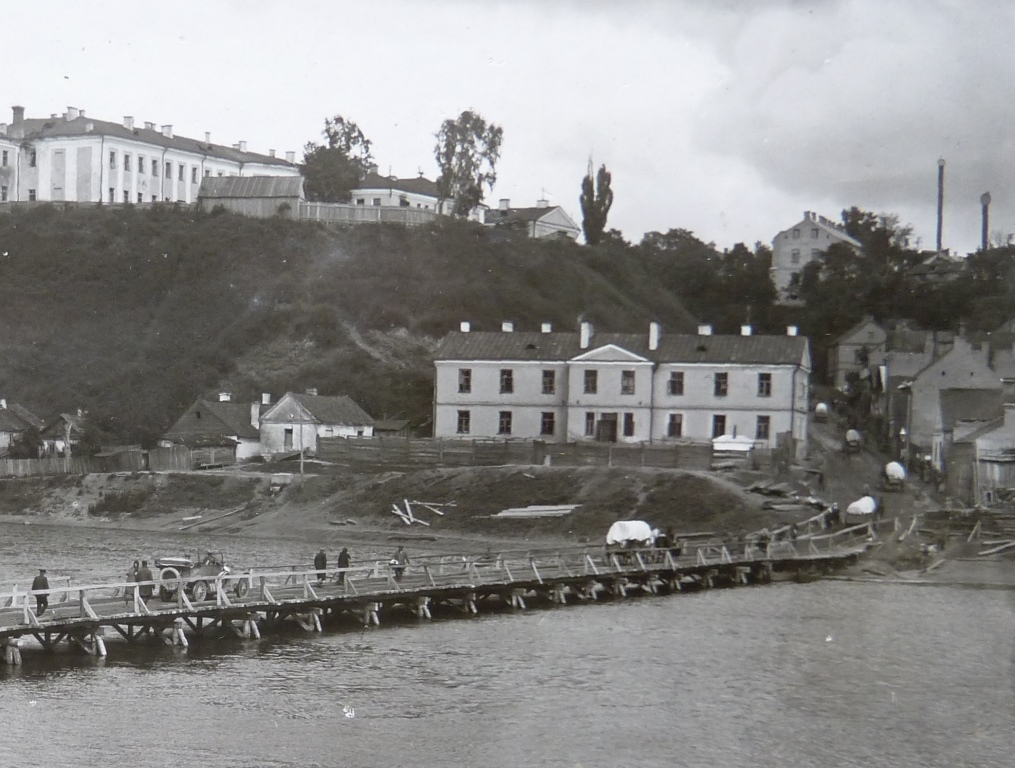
400 561
145 574
39 584
321 564
343 562
128 591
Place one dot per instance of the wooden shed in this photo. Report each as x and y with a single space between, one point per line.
258 196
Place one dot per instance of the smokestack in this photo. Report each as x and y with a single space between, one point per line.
940 200
985 202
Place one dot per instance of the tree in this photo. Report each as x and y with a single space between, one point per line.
596 199
332 170
26 445
467 152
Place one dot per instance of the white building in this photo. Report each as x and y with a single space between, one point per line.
392 192
296 421
71 157
544 220
796 247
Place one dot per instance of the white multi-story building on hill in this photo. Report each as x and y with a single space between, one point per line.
71 157
796 247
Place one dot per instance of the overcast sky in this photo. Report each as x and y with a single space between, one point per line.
725 118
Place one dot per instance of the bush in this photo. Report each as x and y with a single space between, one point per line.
120 502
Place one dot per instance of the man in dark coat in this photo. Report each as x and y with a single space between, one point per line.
343 562
144 573
40 583
320 564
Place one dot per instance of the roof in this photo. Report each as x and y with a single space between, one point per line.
938 264
336 409
419 185
825 225
864 322
226 420
58 127
16 418
390 425
499 215
970 405
251 186
54 427
676 348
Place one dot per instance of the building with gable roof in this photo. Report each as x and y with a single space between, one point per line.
982 463
616 387
261 196
296 421
71 157
14 420
862 346
544 220
219 424
796 247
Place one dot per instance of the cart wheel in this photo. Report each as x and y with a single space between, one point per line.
242 587
198 591
166 594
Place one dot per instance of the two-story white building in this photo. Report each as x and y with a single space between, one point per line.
71 157
631 388
796 247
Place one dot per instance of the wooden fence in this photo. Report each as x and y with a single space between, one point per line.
404 451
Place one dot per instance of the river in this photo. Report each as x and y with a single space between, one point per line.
787 675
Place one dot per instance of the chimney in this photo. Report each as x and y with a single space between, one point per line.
465 326
148 126
312 391
505 204
585 335
167 131
546 328
507 326
290 157
128 122
225 397
243 146
271 153
81 113
207 137
807 215
745 330
72 113
18 115
704 330
940 200
3 129
266 398
791 330
236 145
985 222
653 336
255 415
542 203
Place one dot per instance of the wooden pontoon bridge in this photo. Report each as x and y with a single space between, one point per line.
83 615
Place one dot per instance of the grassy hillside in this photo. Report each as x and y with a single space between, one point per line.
131 313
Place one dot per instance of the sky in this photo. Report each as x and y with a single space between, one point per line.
726 118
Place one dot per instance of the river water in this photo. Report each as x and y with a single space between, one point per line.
787 675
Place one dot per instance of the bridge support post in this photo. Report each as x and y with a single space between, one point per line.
516 598
469 604
371 614
12 652
178 636
559 594
620 587
423 607
590 589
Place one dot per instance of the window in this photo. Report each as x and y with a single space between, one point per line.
549 382
464 422
721 384
796 234
169 170
507 381
140 198
207 172
403 201
140 164
193 174
126 161
591 382
628 425
590 424
376 201
627 382
155 198
761 432
795 256
464 380
814 233
112 195
112 159
504 423
180 171
675 385
220 173
155 168
3 194
718 425
547 423
764 385
675 425
5 158
361 201
126 195
31 195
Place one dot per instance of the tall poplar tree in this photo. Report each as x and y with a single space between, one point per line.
596 199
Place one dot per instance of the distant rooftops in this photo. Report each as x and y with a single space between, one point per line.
418 186
74 123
